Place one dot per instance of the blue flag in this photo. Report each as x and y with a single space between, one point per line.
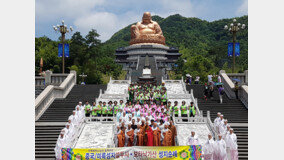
66 50
60 50
230 49
237 49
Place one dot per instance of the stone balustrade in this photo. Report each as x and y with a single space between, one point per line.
229 88
50 79
243 77
51 92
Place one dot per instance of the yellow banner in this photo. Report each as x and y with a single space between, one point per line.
137 152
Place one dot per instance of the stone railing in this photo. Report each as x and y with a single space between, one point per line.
229 88
39 81
211 126
51 92
195 102
243 94
243 77
50 79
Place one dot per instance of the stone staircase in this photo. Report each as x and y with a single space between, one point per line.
155 72
232 109
49 125
138 73
46 137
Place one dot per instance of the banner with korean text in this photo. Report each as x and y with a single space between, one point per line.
137 152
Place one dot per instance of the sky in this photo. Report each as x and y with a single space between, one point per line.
109 16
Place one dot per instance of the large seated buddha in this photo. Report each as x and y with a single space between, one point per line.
147 31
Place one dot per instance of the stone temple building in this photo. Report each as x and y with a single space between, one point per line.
147 40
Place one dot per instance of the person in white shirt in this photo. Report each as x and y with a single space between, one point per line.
193 139
233 145
61 143
216 122
221 123
208 148
197 78
220 152
223 128
209 78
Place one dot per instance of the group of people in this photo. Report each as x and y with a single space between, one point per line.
148 92
145 133
72 127
217 150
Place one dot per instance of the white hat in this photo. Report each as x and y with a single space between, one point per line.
218 113
231 129
222 115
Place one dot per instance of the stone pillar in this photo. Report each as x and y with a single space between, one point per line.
48 74
222 71
75 73
246 77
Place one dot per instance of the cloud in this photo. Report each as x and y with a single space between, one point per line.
103 22
47 10
108 16
243 9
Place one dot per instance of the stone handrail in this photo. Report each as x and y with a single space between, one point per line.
211 126
229 88
195 104
243 95
51 92
57 79
228 85
138 60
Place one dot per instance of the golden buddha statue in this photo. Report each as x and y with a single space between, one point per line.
147 31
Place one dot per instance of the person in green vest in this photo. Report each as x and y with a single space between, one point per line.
170 108
164 98
115 107
192 110
110 109
121 105
94 110
176 109
104 109
183 109
99 109
87 109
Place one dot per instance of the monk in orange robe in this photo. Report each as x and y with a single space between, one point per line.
157 135
140 136
145 137
130 136
121 138
149 133
174 132
167 135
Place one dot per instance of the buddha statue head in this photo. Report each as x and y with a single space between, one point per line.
146 31
146 19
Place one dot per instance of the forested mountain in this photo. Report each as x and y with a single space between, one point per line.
203 45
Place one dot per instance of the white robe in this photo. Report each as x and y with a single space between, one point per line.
216 124
61 143
193 140
208 149
115 137
233 145
223 129
220 152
